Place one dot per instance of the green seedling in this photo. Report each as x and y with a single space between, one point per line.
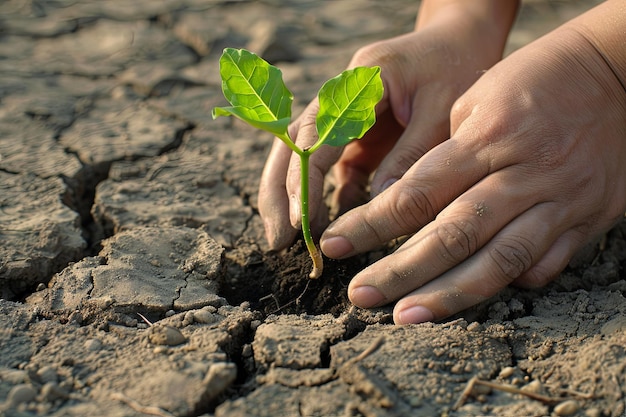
258 96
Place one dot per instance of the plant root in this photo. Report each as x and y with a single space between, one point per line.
318 264
296 301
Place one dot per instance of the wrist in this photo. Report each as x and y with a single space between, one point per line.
603 28
484 23
573 57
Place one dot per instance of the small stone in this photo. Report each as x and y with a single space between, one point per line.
204 317
41 286
22 393
415 401
166 335
93 345
506 372
169 313
13 376
457 368
474 327
210 309
533 386
566 408
160 349
48 374
471 409
188 319
593 412
52 392
246 351
76 317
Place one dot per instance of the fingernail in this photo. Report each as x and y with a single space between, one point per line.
294 211
416 314
366 296
336 247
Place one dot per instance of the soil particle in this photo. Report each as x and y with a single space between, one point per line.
279 286
40 235
154 269
296 342
19 394
566 408
166 335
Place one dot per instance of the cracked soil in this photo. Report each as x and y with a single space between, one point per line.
134 276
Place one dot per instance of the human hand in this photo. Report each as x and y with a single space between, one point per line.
533 170
423 72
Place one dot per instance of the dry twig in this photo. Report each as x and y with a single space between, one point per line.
513 390
145 409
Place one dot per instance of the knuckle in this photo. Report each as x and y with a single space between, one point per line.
460 106
405 156
373 232
410 208
373 54
459 111
512 256
458 240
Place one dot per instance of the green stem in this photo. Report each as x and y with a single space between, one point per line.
287 141
316 256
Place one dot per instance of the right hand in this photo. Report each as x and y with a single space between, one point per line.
423 73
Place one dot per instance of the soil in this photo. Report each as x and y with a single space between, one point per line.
134 276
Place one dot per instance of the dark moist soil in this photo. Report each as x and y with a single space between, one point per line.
279 283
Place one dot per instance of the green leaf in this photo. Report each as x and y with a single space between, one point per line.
256 92
347 105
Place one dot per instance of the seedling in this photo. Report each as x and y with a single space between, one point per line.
258 96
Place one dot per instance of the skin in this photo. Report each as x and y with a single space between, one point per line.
499 176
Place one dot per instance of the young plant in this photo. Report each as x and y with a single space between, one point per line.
258 96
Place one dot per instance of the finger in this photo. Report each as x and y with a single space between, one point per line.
427 127
273 201
460 230
429 185
553 262
513 251
359 159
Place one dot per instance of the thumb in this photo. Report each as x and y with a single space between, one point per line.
400 210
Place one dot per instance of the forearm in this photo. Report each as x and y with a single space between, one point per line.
604 27
486 21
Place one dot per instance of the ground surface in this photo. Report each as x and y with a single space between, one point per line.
120 198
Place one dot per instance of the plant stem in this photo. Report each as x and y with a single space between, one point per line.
316 256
